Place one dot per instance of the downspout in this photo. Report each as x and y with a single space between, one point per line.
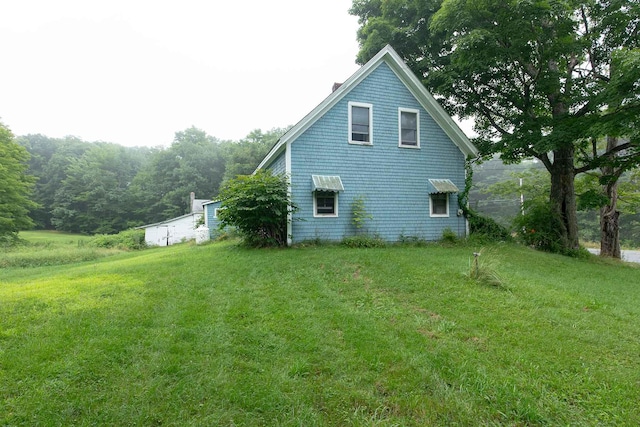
287 170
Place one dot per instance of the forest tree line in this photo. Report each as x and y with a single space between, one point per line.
99 187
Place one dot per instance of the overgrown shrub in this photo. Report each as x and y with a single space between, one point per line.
128 239
540 228
487 228
258 207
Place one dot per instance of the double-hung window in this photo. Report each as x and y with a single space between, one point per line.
360 123
409 128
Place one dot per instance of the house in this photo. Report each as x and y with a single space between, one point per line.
176 230
380 137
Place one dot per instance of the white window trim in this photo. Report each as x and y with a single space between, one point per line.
365 105
434 215
417 113
315 206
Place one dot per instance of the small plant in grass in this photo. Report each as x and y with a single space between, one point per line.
449 236
363 241
410 240
482 269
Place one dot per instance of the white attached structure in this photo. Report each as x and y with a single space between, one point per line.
176 230
171 231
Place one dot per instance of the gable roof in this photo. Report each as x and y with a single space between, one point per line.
406 76
168 221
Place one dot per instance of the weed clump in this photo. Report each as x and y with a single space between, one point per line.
363 241
127 240
449 236
482 269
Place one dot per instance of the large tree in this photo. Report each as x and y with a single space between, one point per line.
534 75
15 187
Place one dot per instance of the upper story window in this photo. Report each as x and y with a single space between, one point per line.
360 123
409 127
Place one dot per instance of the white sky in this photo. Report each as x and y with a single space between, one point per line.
134 72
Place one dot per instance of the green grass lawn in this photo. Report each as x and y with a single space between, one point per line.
38 248
221 335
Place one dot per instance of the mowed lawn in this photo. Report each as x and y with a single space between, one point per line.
222 335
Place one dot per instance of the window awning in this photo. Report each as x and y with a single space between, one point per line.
442 186
326 183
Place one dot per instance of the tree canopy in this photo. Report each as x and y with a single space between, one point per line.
15 187
98 187
540 78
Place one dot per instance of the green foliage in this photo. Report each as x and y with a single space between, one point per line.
96 187
363 241
94 196
195 162
258 206
359 213
15 188
487 228
592 199
539 227
243 157
50 159
129 240
449 236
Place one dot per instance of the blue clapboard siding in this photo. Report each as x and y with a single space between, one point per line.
278 166
211 221
393 180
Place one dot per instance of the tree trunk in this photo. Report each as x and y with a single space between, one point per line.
609 233
563 196
609 215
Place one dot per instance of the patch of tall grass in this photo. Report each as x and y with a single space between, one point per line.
48 248
39 257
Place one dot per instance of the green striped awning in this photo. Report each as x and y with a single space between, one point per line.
442 186
326 183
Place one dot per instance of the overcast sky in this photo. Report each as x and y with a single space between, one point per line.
134 72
